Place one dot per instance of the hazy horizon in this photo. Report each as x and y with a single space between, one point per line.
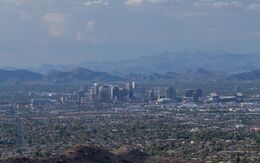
83 63
69 32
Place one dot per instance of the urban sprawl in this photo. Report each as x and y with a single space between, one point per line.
188 123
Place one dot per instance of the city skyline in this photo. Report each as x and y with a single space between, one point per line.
136 81
69 32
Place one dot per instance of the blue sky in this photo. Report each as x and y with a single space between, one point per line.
71 31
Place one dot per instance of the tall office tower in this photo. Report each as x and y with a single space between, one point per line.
194 95
104 93
92 95
171 93
110 89
151 95
199 92
123 94
81 95
96 91
156 93
134 84
197 95
129 87
237 89
162 92
189 92
115 94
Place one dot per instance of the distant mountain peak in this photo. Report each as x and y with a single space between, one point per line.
82 69
200 71
79 75
215 61
251 75
19 75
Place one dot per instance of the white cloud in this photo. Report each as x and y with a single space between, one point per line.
140 2
24 15
96 3
254 7
91 37
55 22
90 25
227 4
218 4
79 36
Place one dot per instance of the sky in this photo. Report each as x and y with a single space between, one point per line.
33 32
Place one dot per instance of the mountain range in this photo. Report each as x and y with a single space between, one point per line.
215 61
252 75
19 76
79 75
55 76
195 74
85 75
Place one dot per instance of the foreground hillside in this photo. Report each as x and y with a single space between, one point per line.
90 154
